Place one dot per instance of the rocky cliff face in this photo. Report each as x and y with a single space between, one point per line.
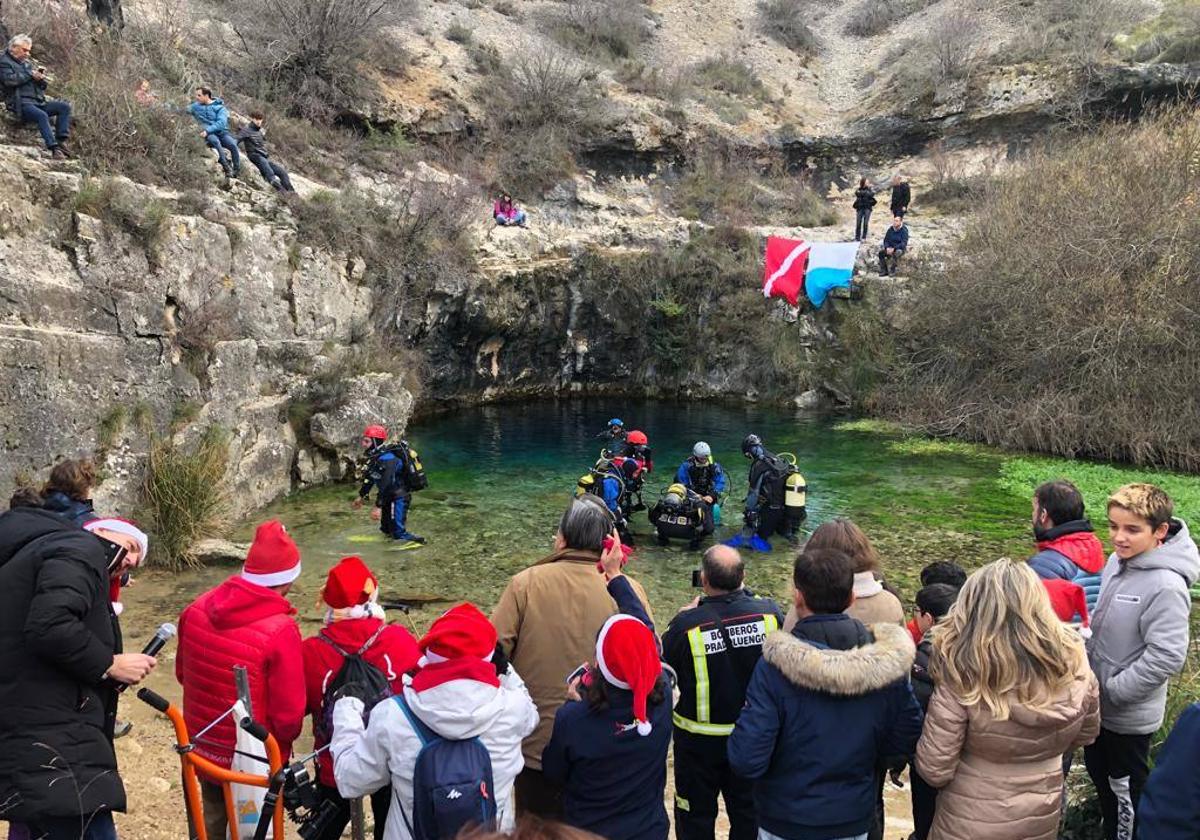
109 329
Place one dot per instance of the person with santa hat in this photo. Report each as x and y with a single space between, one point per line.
248 621
61 663
609 745
354 623
462 690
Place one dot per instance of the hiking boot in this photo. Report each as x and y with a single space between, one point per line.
62 147
413 538
57 153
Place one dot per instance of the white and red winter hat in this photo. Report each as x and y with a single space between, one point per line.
458 646
121 526
273 559
462 632
627 654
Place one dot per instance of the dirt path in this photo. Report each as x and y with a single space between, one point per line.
844 62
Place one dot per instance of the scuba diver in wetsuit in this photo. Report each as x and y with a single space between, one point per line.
609 481
614 437
705 477
681 514
776 501
396 472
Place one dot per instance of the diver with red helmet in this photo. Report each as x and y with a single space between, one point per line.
397 472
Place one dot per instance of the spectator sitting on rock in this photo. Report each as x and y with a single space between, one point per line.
506 213
895 243
214 120
252 136
25 93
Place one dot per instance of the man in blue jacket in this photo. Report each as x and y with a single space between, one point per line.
895 243
828 703
1170 806
214 121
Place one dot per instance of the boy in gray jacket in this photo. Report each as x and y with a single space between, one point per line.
1139 640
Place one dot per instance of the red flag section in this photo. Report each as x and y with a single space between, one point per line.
787 260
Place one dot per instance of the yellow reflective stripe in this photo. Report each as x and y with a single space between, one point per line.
700 664
770 623
697 728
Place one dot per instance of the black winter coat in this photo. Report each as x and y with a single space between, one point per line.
58 635
864 198
922 680
901 196
253 140
19 84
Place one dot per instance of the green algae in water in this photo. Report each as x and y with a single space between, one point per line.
501 475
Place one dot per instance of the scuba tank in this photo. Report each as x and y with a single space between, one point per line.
795 488
414 473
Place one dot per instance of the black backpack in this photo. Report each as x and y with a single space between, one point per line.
452 784
354 670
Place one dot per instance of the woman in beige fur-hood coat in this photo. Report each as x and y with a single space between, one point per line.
1013 693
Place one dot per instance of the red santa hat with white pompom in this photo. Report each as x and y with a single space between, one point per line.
627 655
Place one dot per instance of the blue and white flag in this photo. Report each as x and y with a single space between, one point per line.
830 265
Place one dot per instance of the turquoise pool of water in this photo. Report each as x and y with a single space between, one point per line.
500 475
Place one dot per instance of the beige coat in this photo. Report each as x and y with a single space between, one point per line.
881 608
1002 780
548 619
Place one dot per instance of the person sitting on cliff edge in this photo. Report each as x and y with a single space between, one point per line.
507 213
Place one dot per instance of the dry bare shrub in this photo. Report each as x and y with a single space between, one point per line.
721 186
1080 32
948 50
786 21
874 17
1067 322
306 53
549 104
604 28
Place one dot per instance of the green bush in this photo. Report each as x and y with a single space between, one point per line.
786 22
1066 320
183 496
127 208
728 75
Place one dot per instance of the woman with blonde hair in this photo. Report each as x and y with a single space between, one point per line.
1013 693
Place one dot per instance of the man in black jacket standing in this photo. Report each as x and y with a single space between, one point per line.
901 196
713 644
60 666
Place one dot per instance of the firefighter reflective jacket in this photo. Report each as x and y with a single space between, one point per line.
713 649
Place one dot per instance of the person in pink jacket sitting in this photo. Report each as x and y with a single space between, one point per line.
506 213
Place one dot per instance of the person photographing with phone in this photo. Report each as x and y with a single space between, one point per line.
714 644
61 665
547 620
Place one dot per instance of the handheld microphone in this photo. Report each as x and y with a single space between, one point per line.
163 635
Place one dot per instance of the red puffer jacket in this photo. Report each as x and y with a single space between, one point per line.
394 653
240 623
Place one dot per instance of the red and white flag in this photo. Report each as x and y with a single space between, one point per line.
787 260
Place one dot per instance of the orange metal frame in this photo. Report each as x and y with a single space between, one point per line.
195 766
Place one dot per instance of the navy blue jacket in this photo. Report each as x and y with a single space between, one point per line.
897 239
812 753
613 777
1170 804
76 511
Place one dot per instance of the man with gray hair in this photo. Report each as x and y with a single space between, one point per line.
714 644
25 94
547 621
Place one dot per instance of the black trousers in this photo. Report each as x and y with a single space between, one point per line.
537 795
1118 765
381 801
702 773
273 173
924 804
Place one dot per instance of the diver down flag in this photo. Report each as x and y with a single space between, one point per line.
830 265
784 272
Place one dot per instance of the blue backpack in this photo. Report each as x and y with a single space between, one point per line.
452 784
